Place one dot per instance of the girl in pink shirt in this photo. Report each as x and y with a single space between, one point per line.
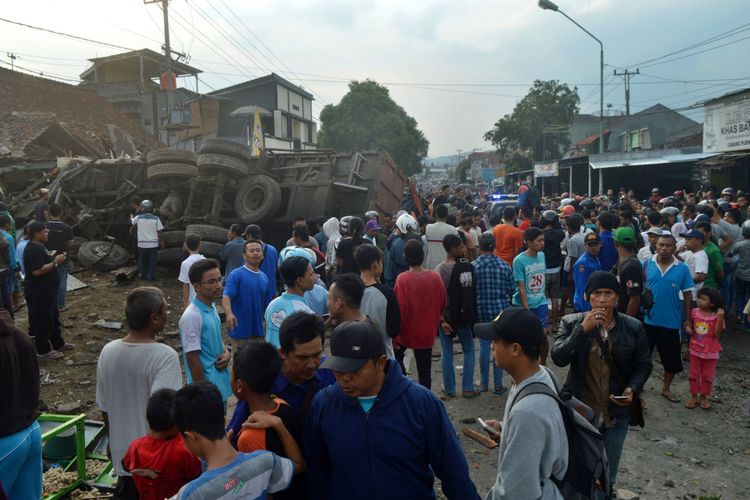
707 325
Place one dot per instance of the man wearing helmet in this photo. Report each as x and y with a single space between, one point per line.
655 196
148 229
407 228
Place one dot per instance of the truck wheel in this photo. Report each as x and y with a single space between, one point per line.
168 155
225 147
171 256
171 171
74 246
258 198
215 234
92 253
213 163
173 238
211 249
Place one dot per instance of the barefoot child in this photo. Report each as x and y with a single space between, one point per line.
707 325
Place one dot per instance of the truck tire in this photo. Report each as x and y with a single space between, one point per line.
213 163
226 147
74 246
171 256
211 249
171 171
168 155
173 238
90 255
258 198
215 234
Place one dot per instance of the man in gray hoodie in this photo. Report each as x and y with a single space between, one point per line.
533 442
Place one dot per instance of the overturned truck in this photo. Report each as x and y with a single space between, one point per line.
206 192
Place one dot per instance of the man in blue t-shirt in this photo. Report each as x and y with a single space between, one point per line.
270 255
528 273
666 277
247 293
608 256
298 277
586 265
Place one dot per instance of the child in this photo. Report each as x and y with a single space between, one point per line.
707 325
159 462
199 416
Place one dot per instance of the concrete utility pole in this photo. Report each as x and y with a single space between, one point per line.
12 58
626 76
167 56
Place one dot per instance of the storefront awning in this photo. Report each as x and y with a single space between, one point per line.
653 160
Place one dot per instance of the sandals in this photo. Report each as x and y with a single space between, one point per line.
499 391
51 355
705 404
690 404
671 397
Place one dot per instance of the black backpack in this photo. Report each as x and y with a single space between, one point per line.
587 476
534 197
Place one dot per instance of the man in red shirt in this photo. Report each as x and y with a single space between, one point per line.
421 299
159 462
508 238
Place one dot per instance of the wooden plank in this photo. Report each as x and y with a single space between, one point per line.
480 438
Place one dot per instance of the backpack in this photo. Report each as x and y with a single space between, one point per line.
587 476
534 198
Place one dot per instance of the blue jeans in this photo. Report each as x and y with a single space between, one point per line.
147 263
62 287
727 286
614 439
446 360
485 358
21 463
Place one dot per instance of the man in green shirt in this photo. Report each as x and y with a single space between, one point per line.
715 261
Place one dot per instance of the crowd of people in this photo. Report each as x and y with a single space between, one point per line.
668 273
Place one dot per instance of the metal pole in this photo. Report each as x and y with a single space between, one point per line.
168 55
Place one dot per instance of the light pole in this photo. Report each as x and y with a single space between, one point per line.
548 5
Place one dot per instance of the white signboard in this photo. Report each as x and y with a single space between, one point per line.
545 169
726 125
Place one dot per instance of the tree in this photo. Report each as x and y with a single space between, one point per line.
538 122
367 118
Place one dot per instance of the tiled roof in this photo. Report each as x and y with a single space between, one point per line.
40 116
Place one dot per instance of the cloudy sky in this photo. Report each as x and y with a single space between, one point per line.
456 67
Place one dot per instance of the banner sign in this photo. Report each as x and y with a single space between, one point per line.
545 169
726 125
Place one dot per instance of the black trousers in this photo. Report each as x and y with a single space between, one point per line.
44 320
423 358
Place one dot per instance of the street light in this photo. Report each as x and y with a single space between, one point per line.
548 5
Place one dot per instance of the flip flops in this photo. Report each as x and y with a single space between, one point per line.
671 397
690 404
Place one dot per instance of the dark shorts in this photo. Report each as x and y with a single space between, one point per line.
541 313
667 342
552 285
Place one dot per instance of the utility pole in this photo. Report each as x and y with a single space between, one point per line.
626 76
167 56
13 58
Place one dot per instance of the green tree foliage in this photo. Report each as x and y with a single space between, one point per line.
548 107
367 118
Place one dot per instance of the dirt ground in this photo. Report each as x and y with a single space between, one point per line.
680 454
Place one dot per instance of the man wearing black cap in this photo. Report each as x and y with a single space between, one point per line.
609 360
534 446
377 434
582 269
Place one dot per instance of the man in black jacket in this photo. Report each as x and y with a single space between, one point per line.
609 361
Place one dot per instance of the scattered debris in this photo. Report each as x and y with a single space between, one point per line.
480 438
124 274
109 325
72 408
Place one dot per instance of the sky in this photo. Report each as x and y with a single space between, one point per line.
456 67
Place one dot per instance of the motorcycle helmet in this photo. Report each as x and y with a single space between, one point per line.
405 223
549 216
344 225
146 206
372 215
728 191
746 229
669 211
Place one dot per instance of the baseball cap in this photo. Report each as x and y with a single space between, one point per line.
372 225
515 325
352 344
487 242
625 235
567 210
693 233
591 238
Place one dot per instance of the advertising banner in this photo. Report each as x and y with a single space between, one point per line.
545 169
726 125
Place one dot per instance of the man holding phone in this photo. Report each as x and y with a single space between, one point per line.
609 362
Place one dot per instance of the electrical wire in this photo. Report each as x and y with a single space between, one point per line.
88 40
40 73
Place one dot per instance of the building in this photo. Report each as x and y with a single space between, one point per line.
285 109
135 84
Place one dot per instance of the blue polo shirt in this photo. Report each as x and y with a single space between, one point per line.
582 269
668 309
200 330
250 293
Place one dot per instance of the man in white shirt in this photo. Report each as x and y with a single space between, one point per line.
192 245
434 234
695 257
128 372
652 235
148 229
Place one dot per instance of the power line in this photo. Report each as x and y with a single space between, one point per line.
39 73
696 53
75 37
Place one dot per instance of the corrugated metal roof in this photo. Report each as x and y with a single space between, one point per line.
658 160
